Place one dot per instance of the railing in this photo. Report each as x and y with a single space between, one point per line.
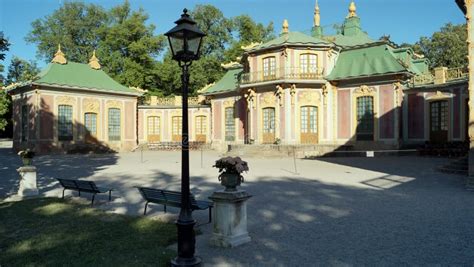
420 79
457 73
172 101
293 73
440 77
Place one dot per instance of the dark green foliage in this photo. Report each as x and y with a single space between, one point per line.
21 70
445 48
55 232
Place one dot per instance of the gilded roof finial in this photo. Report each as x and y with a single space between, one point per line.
317 17
285 26
59 56
352 10
94 62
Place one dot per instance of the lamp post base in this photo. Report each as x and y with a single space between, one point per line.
178 262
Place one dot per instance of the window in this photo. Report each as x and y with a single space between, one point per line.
229 124
24 122
268 120
269 67
90 121
365 118
64 123
154 125
439 116
201 126
114 124
177 123
309 119
308 64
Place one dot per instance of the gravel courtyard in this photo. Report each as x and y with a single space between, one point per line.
335 211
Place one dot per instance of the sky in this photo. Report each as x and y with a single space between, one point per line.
404 20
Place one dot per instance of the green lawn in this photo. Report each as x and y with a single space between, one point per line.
56 232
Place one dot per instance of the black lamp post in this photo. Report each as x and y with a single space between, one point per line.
185 42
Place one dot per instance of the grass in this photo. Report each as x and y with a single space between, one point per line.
56 232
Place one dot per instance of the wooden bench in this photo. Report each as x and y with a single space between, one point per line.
172 198
83 186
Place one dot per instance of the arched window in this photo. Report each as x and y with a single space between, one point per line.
308 64
177 124
201 128
90 123
114 124
269 68
229 124
65 132
154 128
309 124
365 118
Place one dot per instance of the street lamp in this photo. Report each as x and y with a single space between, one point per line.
185 41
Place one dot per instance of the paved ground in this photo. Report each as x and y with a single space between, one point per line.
337 212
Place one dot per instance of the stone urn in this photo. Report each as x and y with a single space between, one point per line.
230 181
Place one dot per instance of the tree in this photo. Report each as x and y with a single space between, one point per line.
247 31
4 98
75 25
128 47
445 48
21 70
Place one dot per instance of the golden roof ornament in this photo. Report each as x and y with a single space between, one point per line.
231 65
317 16
250 46
285 26
352 10
94 62
59 56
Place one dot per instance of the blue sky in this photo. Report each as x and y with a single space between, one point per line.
403 20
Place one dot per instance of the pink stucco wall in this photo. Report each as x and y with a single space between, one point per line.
217 113
387 112
416 116
47 117
129 120
457 113
242 115
343 114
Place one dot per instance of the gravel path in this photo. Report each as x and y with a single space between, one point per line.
337 212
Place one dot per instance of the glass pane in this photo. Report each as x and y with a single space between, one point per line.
177 45
193 45
365 117
177 125
114 124
229 124
90 120
64 123
268 120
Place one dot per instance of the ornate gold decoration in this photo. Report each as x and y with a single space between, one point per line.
268 99
279 94
309 97
293 93
65 100
231 65
317 17
94 62
325 92
364 90
352 10
285 26
251 45
398 92
114 104
250 97
90 105
59 56
229 103
439 95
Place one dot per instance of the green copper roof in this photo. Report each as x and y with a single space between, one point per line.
352 34
366 61
292 38
77 75
228 83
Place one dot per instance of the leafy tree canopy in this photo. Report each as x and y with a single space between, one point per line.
21 70
446 47
4 98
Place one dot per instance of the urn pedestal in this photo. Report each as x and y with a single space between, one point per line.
230 218
28 186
